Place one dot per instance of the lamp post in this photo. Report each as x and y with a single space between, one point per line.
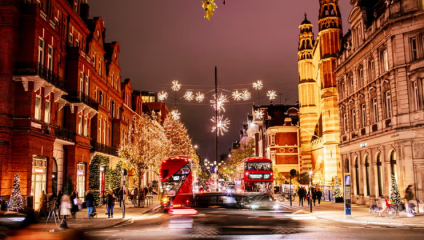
310 185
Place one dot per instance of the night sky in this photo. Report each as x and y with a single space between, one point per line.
163 40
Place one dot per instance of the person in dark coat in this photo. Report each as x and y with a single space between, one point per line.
146 191
110 203
314 195
59 201
301 194
120 196
319 196
89 201
74 207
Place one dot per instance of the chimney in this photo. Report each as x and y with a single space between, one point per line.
85 11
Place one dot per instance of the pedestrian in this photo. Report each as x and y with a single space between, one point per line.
89 202
120 196
319 196
409 197
58 201
300 193
65 206
146 191
110 203
151 189
314 195
42 209
74 204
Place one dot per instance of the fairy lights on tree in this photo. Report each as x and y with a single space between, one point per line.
16 203
272 95
189 96
220 125
209 6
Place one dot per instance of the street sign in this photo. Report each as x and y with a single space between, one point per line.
347 196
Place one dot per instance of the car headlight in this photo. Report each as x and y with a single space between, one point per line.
276 206
254 206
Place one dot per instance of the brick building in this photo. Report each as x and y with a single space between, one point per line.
380 75
62 104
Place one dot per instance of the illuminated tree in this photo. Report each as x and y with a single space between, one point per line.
337 192
394 192
228 169
279 177
16 202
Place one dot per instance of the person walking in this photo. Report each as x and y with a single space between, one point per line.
110 203
314 195
120 196
300 192
65 206
74 206
410 197
89 202
319 196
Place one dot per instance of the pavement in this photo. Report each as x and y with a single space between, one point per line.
360 214
101 220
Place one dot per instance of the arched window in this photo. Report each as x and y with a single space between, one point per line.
357 176
393 163
379 176
367 174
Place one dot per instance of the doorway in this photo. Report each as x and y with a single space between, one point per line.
38 179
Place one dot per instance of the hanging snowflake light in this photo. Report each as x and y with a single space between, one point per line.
258 85
259 114
237 96
222 99
272 95
200 97
175 114
162 96
175 85
222 125
189 95
246 95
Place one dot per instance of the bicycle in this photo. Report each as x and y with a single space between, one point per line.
285 196
389 210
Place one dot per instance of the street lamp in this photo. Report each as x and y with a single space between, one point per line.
196 147
310 185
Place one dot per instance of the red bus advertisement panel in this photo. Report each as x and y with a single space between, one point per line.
176 182
254 175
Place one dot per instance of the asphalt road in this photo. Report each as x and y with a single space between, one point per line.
245 224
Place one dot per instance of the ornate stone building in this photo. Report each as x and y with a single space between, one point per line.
380 75
319 124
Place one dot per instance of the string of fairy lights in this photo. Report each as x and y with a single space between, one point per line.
221 123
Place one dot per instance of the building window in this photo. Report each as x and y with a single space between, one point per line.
347 166
80 180
393 164
388 104
85 127
353 119
351 84
100 131
38 179
273 139
50 58
41 51
80 124
101 97
104 132
100 68
113 109
357 176
113 81
87 84
367 174
81 90
372 70
76 6
361 77
414 49
37 113
47 112
363 115
94 60
71 40
416 95
375 109
385 61
77 43
344 123
379 176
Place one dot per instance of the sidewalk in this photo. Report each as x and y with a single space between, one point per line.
360 214
101 220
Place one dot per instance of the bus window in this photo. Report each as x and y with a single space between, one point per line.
258 166
173 184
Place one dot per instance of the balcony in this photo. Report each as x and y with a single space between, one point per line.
98 147
83 102
39 74
65 134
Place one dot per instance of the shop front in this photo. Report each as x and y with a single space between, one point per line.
38 179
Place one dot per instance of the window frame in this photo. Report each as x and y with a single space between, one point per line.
416 95
388 101
41 50
71 39
50 54
37 112
86 127
364 115
375 109
353 114
344 122
80 124
47 112
414 53
385 61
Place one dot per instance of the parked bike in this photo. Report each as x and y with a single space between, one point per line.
389 210
285 196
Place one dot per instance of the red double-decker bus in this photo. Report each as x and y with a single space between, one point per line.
254 175
176 182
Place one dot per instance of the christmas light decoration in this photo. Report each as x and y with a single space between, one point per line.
15 202
394 192
200 97
176 86
237 96
258 85
162 96
189 96
259 114
175 114
246 95
272 95
222 99
220 125
337 193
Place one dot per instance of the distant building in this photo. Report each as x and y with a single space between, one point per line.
380 75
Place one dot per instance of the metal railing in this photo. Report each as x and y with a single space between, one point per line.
82 97
35 68
65 134
98 147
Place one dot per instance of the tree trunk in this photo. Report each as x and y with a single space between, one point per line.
139 187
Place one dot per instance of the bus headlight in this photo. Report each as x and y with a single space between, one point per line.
165 200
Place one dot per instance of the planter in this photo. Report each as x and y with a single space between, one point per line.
338 200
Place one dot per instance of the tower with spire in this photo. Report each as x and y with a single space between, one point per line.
319 116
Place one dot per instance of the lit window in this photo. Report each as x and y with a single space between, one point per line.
414 49
50 58
386 61
375 109
71 40
77 43
37 114
364 115
344 123
416 96
353 119
388 104
79 124
47 112
85 127
41 51
87 84
100 131
76 5
100 68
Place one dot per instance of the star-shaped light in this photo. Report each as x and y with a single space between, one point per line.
162 96
189 95
272 95
176 86
175 114
200 97
246 95
259 114
237 96
221 124
258 85
222 99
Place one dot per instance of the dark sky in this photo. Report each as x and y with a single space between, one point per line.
163 40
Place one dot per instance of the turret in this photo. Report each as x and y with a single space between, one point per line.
306 40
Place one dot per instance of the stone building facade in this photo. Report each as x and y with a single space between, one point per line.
380 74
62 103
318 111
